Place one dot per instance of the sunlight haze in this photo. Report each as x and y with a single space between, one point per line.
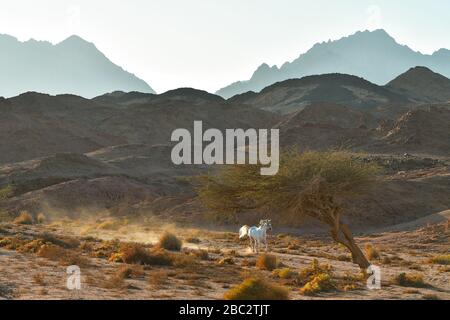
210 44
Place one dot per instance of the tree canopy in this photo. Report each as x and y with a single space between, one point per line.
310 184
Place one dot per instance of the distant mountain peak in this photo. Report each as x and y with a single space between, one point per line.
74 39
7 37
373 55
73 66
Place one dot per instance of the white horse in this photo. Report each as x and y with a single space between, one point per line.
257 235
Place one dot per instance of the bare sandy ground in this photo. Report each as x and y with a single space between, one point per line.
26 275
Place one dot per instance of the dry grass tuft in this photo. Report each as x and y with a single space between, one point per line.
114 282
193 240
442 259
24 218
39 279
410 280
201 254
41 218
371 252
158 278
257 289
134 253
111 224
430 296
128 272
64 256
267 262
226 261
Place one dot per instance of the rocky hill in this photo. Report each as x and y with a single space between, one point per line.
422 85
293 95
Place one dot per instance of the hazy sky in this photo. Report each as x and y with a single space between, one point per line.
208 44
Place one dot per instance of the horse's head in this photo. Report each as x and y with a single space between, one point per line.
267 224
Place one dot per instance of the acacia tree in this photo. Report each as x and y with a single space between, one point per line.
311 184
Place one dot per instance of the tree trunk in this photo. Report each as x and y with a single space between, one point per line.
342 234
357 255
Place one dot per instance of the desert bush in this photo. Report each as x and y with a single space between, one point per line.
7 192
170 242
193 240
41 218
134 253
249 262
11 243
138 254
24 218
127 272
309 273
350 287
410 280
344 257
110 225
225 261
257 289
284 273
158 278
411 291
182 260
201 254
4 216
267 262
430 296
104 249
442 259
32 246
386 260
62 241
443 269
39 279
371 252
64 256
113 282
319 283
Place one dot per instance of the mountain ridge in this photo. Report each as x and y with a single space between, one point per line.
372 55
73 66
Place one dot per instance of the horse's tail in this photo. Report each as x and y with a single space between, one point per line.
243 232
